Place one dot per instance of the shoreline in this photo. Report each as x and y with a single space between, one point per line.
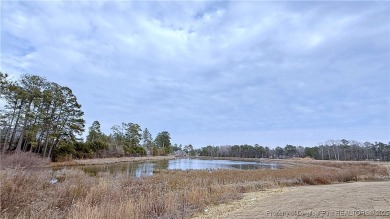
113 160
103 161
284 163
72 193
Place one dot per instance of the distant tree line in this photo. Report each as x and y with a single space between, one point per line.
43 117
329 150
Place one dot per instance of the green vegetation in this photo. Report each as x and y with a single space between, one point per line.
45 118
42 119
39 116
330 150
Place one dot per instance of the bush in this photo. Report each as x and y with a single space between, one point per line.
97 146
135 151
83 150
63 152
159 151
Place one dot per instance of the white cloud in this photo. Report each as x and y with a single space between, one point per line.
192 67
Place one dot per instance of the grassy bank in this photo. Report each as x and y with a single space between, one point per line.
27 192
102 161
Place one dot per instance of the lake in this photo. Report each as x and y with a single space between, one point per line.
138 169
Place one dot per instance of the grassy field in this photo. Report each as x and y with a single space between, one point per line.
26 191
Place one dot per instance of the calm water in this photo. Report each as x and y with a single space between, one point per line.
138 169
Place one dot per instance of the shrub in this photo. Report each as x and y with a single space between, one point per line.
63 152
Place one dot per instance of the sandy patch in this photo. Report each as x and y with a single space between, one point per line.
348 200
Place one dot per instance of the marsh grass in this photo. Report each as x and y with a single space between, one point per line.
27 193
105 161
22 160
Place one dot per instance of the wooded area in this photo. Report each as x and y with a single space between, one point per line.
329 150
38 115
45 118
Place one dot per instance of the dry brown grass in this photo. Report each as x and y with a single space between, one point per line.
23 160
103 161
27 193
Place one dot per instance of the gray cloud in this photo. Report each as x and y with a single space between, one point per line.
204 69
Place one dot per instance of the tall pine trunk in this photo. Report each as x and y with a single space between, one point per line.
19 147
6 146
15 127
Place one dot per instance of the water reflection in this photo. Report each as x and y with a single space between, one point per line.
138 169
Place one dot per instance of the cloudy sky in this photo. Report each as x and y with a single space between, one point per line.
213 72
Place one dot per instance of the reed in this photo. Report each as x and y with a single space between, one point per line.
28 193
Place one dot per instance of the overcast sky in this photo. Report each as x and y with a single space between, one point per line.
213 72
